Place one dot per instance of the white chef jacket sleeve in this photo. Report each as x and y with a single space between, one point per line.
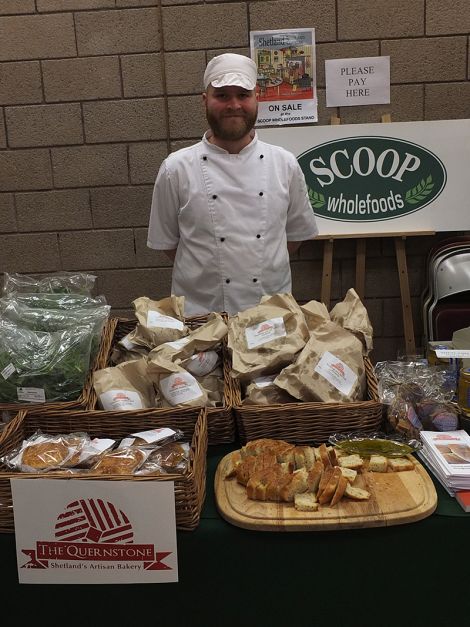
163 232
301 224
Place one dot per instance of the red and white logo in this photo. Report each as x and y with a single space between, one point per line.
94 530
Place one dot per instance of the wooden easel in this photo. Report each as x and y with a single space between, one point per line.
400 253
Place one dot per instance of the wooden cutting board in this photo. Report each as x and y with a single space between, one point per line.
396 498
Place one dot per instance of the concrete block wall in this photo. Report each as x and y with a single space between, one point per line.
95 93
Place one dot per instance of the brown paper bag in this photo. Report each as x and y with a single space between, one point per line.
265 338
177 386
263 391
330 368
158 321
124 387
352 315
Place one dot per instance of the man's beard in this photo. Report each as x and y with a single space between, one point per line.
231 128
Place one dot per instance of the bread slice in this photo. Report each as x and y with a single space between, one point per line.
349 473
357 494
351 461
275 485
323 451
305 502
326 475
378 463
340 489
233 461
398 464
297 485
304 457
314 476
330 488
332 456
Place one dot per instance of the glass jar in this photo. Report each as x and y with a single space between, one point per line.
464 390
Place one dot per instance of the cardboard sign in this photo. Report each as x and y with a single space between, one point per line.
392 178
362 81
95 531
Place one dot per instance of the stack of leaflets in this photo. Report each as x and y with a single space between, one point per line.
447 454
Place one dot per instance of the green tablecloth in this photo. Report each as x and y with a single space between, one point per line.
407 575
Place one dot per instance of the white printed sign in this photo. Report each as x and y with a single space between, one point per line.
361 81
156 319
401 177
74 532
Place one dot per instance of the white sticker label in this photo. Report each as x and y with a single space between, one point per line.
337 373
121 399
8 371
202 363
264 332
155 435
180 387
95 447
177 344
156 319
127 343
264 382
450 353
31 395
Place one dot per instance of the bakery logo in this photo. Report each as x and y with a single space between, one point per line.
338 367
264 328
120 396
369 179
178 382
90 534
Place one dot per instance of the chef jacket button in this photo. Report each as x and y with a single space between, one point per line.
261 156
222 239
214 196
255 280
227 280
204 158
261 193
258 236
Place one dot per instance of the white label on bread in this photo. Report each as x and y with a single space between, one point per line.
180 387
125 341
31 395
121 400
265 332
202 363
336 372
177 344
156 319
264 382
155 435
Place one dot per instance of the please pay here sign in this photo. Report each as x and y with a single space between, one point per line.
361 81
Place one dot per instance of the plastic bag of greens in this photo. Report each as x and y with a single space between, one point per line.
40 319
59 282
43 367
57 301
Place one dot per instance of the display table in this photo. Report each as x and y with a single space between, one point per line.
406 575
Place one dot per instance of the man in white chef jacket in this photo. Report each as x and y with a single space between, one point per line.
231 208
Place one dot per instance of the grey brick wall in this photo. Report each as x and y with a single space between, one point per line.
95 93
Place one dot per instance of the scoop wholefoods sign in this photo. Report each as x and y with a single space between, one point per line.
371 178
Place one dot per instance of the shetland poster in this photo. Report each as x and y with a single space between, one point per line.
286 83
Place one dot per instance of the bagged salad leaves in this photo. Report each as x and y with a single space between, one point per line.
41 366
59 282
44 300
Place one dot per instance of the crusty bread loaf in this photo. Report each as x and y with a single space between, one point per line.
351 461
357 494
330 488
251 464
233 461
340 489
283 450
398 464
305 502
378 463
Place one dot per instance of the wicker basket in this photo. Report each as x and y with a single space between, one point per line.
87 398
189 488
310 423
220 420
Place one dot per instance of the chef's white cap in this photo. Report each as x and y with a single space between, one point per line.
230 69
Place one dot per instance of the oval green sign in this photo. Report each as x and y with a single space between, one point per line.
374 178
